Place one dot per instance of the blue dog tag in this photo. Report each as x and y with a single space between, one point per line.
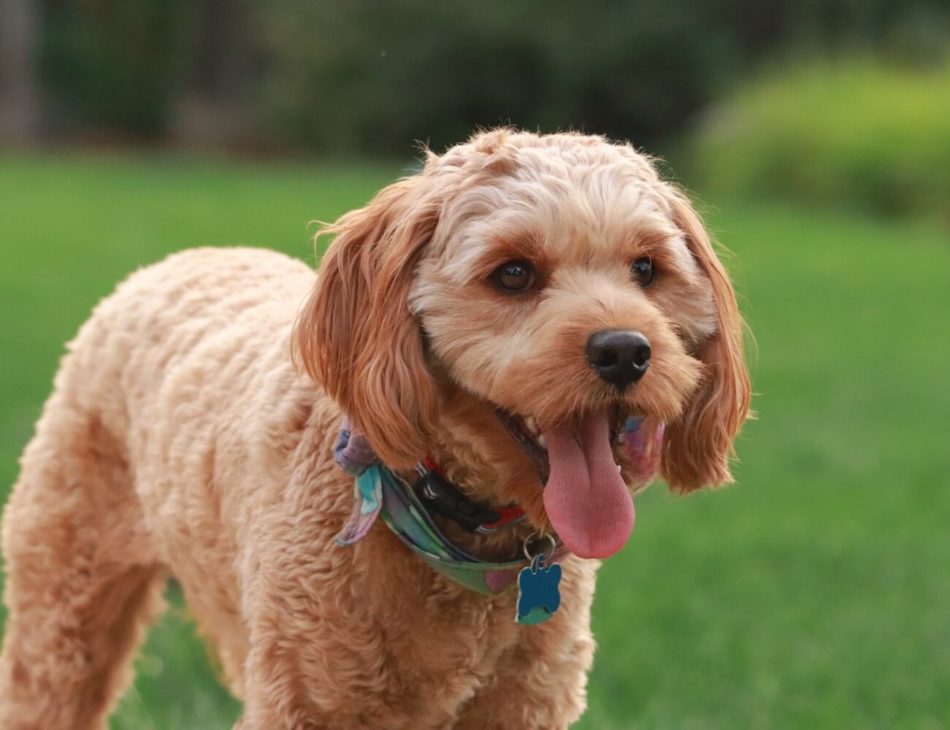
538 594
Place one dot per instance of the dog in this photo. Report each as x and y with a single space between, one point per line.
529 326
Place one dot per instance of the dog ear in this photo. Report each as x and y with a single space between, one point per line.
356 335
697 447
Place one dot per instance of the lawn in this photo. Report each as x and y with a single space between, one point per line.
814 593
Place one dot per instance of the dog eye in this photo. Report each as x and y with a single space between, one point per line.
643 271
514 277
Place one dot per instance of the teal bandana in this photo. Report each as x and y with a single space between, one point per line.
378 492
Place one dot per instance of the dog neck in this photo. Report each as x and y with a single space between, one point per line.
475 484
475 453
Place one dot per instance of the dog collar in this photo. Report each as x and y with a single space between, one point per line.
353 454
380 493
443 497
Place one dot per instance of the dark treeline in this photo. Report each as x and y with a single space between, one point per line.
371 75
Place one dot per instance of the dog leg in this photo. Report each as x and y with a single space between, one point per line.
532 692
541 683
81 580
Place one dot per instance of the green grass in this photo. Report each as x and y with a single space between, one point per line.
813 594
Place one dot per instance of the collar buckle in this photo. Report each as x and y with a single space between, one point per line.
442 497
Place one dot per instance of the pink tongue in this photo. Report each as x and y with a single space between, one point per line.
585 498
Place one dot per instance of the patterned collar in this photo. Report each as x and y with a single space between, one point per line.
381 493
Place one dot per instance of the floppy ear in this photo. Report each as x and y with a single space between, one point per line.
697 447
356 335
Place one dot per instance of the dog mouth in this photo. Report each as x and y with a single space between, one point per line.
525 431
585 497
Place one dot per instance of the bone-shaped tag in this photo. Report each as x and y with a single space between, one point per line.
538 594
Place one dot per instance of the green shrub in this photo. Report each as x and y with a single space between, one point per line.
858 133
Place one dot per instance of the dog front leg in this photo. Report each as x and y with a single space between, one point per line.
533 693
321 650
540 684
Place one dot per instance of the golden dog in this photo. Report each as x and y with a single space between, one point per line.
505 311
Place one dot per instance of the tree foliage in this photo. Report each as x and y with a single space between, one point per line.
372 75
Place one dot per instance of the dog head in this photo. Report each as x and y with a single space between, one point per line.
556 280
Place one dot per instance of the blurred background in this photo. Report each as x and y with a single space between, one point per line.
816 134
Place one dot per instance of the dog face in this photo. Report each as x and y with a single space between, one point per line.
557 281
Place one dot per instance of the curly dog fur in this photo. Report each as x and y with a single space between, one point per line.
182 437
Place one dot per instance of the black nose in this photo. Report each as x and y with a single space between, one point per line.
620 357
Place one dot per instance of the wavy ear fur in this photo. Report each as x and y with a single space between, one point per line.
698 446
356 335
